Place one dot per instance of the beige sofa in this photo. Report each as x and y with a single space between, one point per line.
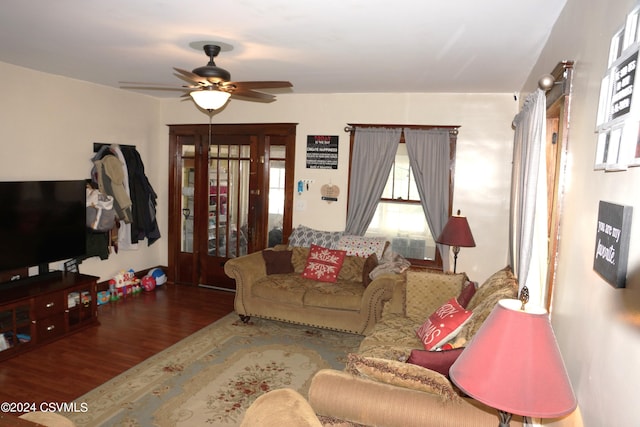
378 388
347 305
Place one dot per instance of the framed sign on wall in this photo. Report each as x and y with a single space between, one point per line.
618 119
322 152
612 243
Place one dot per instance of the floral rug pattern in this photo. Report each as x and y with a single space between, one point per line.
211 377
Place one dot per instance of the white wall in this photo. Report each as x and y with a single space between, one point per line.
47 128
483 169
598 327
53 140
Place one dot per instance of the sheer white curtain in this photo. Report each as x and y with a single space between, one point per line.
528 222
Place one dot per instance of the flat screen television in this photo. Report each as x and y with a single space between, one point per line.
41 222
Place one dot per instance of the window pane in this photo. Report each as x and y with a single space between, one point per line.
277 152
405 226
401 184
276 201
402 176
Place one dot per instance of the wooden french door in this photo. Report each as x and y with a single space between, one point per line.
231 191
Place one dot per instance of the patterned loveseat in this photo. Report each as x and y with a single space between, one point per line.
272 284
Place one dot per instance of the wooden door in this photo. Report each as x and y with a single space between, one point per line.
231 188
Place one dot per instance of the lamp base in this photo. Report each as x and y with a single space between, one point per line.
505 419
456 251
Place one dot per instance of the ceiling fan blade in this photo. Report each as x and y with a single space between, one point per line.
191 77
261 84
148 84
152 86
257 96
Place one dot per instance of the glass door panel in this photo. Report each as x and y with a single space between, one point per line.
187 167
276 200
229 172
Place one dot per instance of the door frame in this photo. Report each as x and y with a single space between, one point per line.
181 264
558 101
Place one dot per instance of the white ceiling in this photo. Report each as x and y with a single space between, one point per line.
320 46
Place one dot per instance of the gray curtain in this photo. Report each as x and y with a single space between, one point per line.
429 158
374 150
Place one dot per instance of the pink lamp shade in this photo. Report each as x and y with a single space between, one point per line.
513 364
457 232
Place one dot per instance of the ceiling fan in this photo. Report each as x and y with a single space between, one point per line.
212 85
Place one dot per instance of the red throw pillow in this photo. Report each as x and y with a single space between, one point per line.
467 292
323 264
439 361
277 262
443 325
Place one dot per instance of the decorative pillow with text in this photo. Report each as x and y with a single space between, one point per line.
323 264
443 325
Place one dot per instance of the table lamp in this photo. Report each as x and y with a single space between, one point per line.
456 233
513 364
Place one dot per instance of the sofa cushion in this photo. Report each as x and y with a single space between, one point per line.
443 324
393 337
427 290
287 288
362 246
352 268
401 374
305 237
342 295
502 284
500 279
299 257
277 262
439 361
323 264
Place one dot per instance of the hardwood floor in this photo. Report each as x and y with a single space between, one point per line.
130 331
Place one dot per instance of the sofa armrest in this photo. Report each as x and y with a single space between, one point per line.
246 270
377 293
340 395
343 396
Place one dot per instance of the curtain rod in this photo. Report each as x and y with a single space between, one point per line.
453 130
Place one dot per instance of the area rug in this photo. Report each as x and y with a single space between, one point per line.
211 377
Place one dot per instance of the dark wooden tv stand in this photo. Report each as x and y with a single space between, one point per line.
40 309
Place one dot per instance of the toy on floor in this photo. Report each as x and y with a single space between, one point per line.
158 275
148 283
124 284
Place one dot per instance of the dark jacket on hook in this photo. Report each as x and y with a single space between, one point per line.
144 223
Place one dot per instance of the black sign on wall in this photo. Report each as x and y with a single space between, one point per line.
322 152
623 86
612 243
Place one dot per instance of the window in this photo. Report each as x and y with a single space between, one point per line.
399 215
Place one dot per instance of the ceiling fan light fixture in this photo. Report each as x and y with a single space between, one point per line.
210 99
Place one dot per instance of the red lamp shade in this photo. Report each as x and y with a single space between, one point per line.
457 232
513 364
